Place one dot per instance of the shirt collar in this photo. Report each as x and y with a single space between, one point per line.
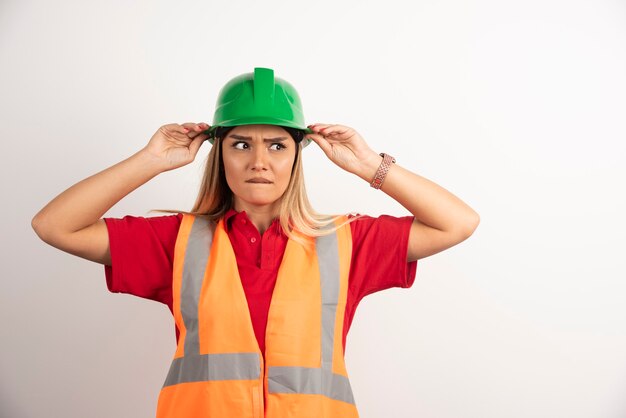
231 215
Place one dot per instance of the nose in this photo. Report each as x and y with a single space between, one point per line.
259 159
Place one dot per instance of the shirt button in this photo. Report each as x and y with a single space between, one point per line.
252 240
244 222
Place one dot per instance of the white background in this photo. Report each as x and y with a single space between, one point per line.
518 108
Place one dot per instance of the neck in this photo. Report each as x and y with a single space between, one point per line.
260 216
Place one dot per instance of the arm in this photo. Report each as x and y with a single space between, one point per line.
71 221
442 220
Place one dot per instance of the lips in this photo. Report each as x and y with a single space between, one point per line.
259 180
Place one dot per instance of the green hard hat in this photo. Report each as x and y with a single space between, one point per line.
258 98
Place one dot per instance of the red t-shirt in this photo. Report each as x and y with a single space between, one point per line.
142 254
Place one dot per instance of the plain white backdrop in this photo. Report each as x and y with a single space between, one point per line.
518 108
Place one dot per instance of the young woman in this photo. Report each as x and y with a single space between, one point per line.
262 288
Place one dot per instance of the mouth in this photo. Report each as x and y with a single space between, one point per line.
259 180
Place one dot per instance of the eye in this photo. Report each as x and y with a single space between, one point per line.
240 145
277 146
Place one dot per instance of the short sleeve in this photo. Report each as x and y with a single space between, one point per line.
379 255
142 253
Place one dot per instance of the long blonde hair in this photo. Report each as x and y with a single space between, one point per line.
295 213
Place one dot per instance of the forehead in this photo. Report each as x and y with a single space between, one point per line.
261 131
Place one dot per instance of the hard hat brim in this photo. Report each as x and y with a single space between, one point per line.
254 121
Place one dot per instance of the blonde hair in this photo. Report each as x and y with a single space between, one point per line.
295 213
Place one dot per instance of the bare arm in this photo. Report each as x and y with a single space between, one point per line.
442 220
72 221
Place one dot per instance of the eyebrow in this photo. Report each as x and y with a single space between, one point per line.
248 138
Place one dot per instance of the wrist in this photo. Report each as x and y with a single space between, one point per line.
148 162
369 167
381 172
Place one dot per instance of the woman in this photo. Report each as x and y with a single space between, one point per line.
263 289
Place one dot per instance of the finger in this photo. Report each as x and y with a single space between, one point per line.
322 142
193 129
197 143
175 127
330 130
334 130
317 126
196 127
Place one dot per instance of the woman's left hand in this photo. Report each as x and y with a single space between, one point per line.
346 148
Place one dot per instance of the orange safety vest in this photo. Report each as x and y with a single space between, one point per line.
218 370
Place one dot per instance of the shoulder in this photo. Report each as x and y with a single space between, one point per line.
379 257
377 229
358 220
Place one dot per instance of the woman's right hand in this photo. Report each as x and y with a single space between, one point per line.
175 145
71 221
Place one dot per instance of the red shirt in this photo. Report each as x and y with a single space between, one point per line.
142 254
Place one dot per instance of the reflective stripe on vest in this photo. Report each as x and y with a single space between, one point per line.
196 367
189 365
312 380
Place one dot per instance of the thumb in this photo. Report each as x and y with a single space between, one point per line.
194 146
322 142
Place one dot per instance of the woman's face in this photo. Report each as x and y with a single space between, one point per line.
257 162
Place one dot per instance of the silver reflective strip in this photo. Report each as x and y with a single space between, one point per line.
196 367
310 381
328 259
206 367
196 256
319 381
